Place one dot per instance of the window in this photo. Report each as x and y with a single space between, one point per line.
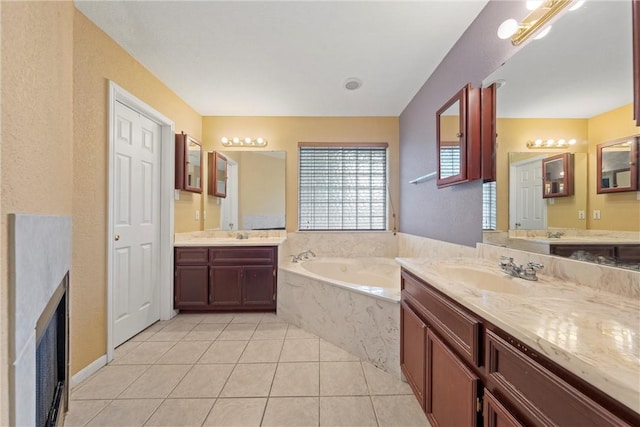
489 205
342 187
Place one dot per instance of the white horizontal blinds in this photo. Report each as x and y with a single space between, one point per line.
449 160
342 187
489 206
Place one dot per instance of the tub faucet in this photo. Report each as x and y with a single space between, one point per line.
302 256
528 273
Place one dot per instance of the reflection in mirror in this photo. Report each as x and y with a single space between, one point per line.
574 83
194 164
617 166
450 138
557 175
255 191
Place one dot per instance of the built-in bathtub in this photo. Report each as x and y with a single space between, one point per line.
350 302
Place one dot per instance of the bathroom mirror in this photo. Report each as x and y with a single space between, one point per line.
557 176
574 83
256 186
188 163
458 138
217 183
618 165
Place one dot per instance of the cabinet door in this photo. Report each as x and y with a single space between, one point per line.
452 389
191 286
495 414
413 350
226 286
258 286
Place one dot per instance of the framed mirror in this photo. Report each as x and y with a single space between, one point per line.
188 176
458 138
617 165
217 183
557 176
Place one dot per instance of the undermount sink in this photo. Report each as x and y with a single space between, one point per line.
482 278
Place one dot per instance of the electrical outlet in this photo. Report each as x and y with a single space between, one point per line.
581 214
197 215
596 214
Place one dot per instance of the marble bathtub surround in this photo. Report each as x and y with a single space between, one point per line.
411 246
341 244
590 332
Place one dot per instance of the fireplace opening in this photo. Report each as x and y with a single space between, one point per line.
52 360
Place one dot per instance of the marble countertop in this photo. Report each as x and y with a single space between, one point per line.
229 241
593 334
579 240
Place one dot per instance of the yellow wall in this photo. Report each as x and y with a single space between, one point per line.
259 175
97 59
37 134
513 135
618 211
284 133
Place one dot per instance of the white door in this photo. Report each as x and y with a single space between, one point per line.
229 205
136 223
529 211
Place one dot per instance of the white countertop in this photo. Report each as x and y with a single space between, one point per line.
229 241
593 334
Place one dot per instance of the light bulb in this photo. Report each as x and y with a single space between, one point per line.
224 140
549 142
247 140
542 33
260 141
577 5
507 28
533 4
572 142
538 142
236 140
561 142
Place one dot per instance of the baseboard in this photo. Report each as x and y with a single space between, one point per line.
89 370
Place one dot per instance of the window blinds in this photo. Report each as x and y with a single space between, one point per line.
489 206
342 187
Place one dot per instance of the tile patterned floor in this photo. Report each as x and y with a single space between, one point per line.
238 370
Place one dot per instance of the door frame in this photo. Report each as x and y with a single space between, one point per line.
513 193
167 167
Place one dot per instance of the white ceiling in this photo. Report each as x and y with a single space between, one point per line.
281 58
582 68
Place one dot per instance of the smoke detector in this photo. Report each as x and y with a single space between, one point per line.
352 83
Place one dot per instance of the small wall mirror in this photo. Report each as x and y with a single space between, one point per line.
557 175
188 160
217 183
193 178
618 165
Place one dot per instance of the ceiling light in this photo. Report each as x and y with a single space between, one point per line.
576 5
542 33
352 83
244 142
507 29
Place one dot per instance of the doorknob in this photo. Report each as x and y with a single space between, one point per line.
117 237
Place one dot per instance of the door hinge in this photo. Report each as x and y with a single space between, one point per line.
479 404
274 297
274 272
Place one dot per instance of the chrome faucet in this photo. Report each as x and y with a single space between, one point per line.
241 236
302 256
555 235
528 273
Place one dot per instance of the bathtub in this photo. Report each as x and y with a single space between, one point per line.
351 302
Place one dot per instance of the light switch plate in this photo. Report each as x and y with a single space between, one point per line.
197 215
581 214
596 214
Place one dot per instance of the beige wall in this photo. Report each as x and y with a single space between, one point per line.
284 133
258 177
98 59
513 135
37 134
618 211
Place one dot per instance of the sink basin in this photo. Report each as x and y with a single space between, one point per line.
482 278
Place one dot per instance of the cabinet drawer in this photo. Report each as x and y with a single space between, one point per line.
242 255
539 395
461 330
191 256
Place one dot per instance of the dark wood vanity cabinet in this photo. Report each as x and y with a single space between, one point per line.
225 278
465 371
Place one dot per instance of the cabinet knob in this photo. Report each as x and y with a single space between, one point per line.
459 134
117 237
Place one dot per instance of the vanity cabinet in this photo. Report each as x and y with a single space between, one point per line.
225 278
465 371
557 176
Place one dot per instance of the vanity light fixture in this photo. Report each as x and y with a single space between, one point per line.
541 13
551 143
243 142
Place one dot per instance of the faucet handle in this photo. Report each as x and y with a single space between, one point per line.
506 258
534 265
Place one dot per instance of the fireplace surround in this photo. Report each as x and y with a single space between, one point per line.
40 261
